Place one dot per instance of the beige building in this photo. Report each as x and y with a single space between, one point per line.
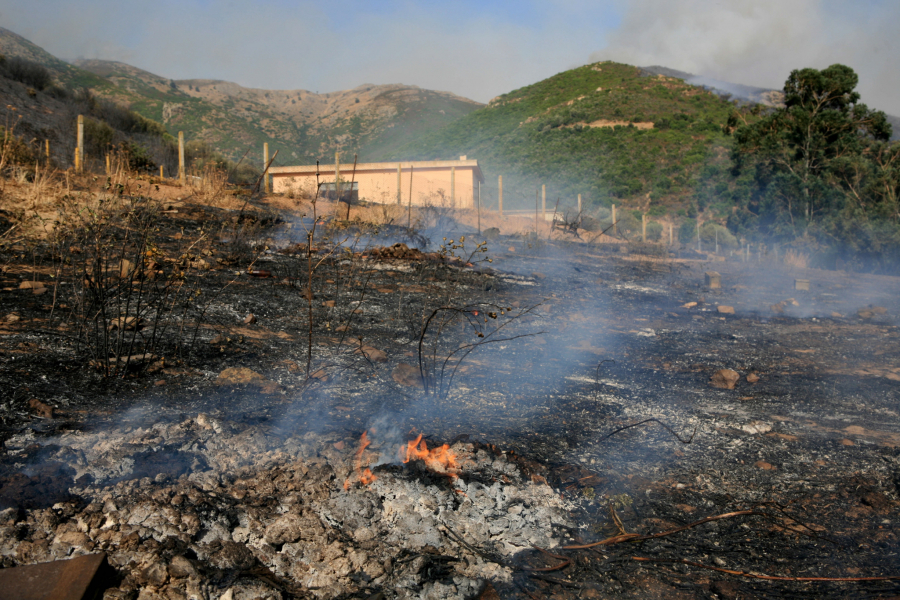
449 183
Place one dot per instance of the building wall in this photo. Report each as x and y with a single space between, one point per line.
430 185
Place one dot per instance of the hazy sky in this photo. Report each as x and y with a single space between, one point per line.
475 49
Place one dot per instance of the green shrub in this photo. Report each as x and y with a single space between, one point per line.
654 231
687 231
711 231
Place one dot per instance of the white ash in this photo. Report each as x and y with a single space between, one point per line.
203 509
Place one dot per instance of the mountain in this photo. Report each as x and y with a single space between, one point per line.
744 93
608 131
371 120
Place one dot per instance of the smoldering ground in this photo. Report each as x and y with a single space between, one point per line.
609 340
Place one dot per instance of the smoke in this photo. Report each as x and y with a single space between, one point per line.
759 42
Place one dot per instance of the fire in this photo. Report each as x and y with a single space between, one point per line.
365 476
440 460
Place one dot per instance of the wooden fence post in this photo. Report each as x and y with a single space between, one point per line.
615 227
337 174
79 154
266 165
47 150
479 207
181 174
409 210
398 183
644 227
544 202
500 199
579 204
453 187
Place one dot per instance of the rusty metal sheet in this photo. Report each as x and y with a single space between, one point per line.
82 578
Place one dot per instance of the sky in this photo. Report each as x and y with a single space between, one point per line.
475 49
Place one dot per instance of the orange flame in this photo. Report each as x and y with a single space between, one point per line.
365 476
440 460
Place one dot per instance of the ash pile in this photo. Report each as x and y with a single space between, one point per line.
204 509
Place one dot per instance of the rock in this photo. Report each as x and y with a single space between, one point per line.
511 249
154 573
761 464
373 354
724 379
126 269
752 378
329 304
127 323
42 410
250 319
407 375
30 285
13 317
757 427
239 375
689 305
538 275
871 311
320 374
182 567
491 233
244 376
725 310
283 530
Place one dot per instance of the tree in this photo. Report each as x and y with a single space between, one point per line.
806 153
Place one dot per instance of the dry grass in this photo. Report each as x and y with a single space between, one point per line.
797 260
209 186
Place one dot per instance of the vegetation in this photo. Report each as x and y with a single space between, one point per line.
605 130
820 173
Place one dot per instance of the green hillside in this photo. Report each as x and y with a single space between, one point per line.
608 131
370 120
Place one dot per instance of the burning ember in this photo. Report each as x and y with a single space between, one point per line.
364 475
440 460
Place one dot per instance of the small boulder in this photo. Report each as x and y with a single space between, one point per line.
250 319
725 310
491 233
44 411
373 354
724 379
752 378
407 375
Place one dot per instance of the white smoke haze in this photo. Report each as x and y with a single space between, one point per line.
759 42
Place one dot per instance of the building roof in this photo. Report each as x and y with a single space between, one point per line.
382 166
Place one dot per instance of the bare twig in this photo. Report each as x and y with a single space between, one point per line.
635 537
651 420
764 576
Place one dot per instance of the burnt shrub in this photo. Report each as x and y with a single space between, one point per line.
25 71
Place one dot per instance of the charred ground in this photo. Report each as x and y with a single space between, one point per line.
222 421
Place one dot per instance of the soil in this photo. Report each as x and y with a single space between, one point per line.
597 388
